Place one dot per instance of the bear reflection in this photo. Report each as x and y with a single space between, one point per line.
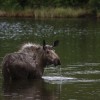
29 90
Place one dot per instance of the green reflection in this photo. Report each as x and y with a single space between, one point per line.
79 51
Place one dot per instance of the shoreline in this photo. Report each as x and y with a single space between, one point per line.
51 13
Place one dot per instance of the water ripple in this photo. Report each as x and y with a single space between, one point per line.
64 80
57 79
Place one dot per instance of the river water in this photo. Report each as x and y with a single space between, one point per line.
78 77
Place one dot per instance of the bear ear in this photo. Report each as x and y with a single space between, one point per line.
44 44
55 43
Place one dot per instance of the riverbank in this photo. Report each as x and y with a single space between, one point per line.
51 13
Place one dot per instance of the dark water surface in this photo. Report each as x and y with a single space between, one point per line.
78 78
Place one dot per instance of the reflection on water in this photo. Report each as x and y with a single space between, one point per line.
28 90
58 79
78 78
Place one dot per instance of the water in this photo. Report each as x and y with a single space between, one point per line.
78 78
